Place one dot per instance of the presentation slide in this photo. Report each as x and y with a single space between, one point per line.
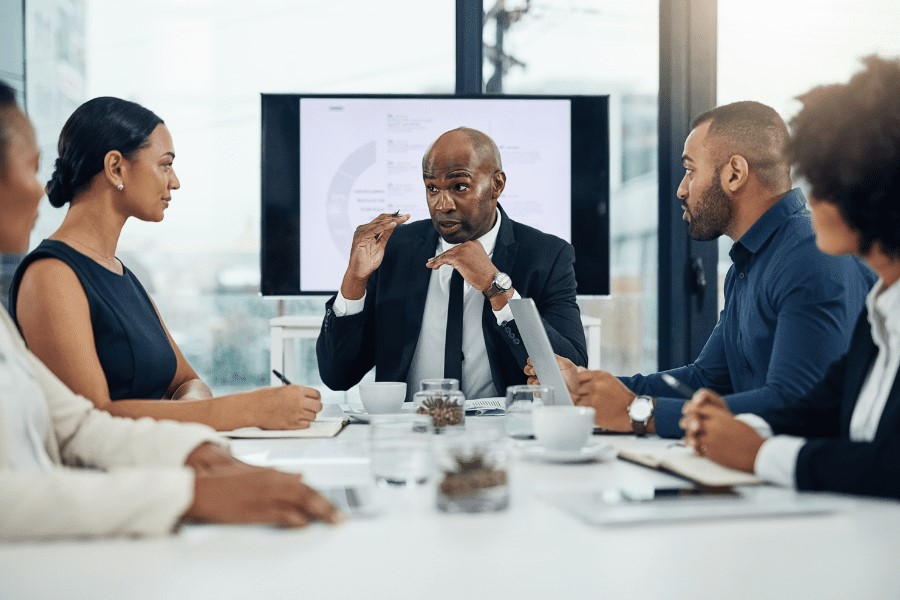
361 157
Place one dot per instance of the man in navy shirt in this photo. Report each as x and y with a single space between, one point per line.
789 309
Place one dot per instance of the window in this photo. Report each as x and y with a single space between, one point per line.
201 66
804 47
599 47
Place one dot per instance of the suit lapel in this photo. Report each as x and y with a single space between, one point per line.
890 418
504 258
856 373
505 248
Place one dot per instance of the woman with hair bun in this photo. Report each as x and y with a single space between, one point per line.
844 436
68 469
86 315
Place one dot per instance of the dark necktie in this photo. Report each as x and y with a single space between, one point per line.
453 355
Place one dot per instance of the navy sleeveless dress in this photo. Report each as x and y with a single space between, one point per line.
135 353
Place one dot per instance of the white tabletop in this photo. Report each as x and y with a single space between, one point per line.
531 550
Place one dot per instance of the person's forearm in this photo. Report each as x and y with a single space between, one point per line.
352 287
81 502
208 456
223 413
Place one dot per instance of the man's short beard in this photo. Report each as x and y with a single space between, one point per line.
713 213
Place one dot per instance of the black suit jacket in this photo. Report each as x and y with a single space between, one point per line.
830 461
385 334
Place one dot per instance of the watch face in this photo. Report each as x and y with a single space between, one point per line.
640 409
503 281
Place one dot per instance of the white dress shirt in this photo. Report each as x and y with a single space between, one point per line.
428 360
776 461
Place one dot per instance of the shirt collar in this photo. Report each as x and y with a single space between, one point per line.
770 222
883 306
488 240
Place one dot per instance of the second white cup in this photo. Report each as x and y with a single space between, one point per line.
382 397
564 428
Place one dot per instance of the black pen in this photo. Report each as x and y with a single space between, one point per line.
678 386
393 216
283 379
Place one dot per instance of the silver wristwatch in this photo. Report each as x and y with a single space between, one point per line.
500 283
640 411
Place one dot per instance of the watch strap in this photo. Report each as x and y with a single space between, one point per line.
639 427
494 289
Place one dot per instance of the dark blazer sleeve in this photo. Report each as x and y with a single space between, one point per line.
840 465
346 346
829 460
559 311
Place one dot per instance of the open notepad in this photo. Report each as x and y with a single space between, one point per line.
485 406
682 461
322 427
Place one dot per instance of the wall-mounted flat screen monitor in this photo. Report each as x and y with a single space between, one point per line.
331 163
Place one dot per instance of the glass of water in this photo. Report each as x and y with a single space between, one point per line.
427 385
520 401
400 449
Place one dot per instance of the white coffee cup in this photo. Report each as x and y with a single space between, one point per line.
563 427
382 397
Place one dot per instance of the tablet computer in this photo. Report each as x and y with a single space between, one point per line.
534 336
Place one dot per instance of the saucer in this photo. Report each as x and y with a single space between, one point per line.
364 417
592 451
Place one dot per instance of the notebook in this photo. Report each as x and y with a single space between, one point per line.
328 423
682 461
531 328
485 406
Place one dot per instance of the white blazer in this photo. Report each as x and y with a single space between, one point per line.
112 476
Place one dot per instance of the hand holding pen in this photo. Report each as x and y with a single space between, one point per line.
367 251
283 379
393 216
285 407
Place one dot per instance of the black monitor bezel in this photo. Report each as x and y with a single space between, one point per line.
280 188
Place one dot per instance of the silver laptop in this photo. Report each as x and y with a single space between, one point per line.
528 320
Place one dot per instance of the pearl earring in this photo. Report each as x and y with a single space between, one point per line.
120 187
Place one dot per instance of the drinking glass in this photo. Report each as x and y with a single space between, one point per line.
439 384
446 407
520 401
400 449
472 471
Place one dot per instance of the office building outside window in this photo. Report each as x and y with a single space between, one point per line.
201 66
599 47
805 48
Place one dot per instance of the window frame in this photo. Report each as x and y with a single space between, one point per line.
686 310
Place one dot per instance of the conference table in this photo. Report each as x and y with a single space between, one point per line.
533 549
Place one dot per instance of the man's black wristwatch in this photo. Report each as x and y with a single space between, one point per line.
501 283
640 411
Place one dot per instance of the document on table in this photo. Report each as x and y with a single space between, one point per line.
485 406
682 461
320 428
606 507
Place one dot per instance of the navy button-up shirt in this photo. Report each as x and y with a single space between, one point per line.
789 312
